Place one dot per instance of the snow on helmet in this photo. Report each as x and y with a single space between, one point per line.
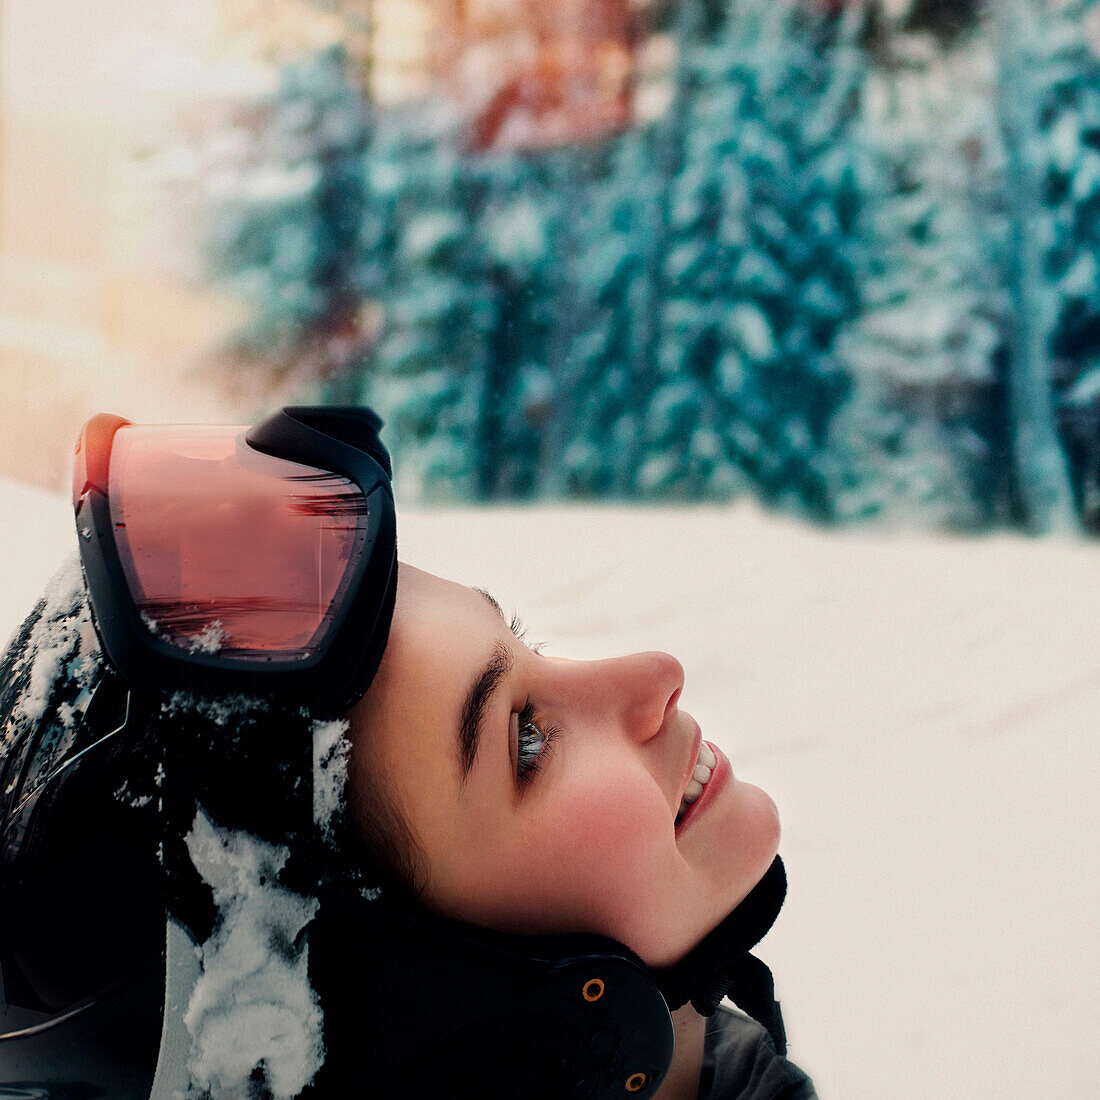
82 920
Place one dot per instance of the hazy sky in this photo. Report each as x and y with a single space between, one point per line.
102 54
91 314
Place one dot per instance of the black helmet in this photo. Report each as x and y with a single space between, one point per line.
184 908
82 918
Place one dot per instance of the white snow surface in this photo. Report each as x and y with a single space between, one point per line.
922 709
330 771
37 530
210 639
53 643
252 1004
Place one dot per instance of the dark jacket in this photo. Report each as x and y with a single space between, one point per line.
740 1063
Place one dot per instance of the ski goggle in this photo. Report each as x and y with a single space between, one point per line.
227 559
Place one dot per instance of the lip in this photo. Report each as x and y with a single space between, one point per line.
720 776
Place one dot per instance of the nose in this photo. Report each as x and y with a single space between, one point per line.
640 690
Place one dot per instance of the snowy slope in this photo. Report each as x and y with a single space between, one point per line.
922 710
36 529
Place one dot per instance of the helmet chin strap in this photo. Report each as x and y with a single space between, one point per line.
720 964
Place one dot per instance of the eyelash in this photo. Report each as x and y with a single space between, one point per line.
520 631
528 761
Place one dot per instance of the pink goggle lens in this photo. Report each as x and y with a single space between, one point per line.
227 550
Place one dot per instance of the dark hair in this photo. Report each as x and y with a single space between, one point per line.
369 819
248 763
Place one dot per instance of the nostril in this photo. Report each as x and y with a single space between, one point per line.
674 698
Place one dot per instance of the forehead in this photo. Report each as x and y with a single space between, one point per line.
433 612
405 729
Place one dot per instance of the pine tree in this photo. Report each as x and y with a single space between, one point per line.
426 372
762 257
917 442
1026 38
1069 113
612 293
471 305
281 208
526 267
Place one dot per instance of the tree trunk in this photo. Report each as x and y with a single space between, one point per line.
570 181
669 156
1042 474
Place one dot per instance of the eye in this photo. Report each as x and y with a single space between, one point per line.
534 741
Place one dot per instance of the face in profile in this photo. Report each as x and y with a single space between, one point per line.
543 793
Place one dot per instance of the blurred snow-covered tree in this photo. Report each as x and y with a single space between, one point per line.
1030 38
524 248
612 271
919 442
426 371
761 259
280 209
472 367
1068 79
983 302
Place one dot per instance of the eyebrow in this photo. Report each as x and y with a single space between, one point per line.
480 697
478 701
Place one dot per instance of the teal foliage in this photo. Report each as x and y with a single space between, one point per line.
770 287
652 317
1068 144
600 451
762 255
1069 119
282 208
915 443
460 368
431 355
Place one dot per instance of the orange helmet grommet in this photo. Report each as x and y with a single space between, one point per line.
593 989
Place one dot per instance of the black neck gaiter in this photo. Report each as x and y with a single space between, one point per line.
720 964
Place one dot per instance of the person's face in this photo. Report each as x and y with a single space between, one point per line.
587 842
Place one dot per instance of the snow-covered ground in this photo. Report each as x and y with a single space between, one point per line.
923 710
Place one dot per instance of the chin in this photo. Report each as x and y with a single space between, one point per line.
769 823
759 841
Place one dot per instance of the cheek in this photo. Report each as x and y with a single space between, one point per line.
591 855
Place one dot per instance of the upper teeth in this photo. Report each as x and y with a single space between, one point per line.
704 767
